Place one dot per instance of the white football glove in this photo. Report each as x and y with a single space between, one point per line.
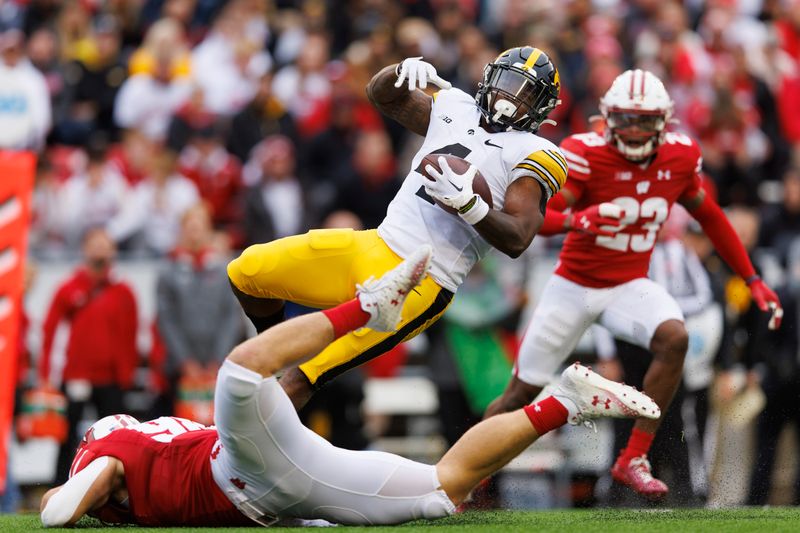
455 190
419 73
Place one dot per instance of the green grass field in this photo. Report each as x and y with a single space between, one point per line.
774 520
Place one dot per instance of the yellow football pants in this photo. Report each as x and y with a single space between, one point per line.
320 269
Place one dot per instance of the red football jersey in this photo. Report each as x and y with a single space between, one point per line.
167 465
598 173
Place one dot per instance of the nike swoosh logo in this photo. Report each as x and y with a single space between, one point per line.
456 187
487 142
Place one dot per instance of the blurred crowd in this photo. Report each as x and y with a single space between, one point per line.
185 130
143 108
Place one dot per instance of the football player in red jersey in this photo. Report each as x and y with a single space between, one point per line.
260 463
621 187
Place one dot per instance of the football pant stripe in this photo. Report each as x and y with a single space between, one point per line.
438 307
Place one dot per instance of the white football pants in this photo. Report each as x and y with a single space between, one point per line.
271 464
631 312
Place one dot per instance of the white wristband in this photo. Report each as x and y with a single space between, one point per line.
476 213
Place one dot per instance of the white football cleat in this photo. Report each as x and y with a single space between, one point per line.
588 395
383 298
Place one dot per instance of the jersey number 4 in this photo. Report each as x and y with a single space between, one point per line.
458 150
656 208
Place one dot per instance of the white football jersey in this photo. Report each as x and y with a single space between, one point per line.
414 219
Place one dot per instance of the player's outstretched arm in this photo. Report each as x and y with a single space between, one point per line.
393 91
555 219
87 490
601 219
724 238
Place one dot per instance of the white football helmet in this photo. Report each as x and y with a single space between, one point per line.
100 429
105 426
636 110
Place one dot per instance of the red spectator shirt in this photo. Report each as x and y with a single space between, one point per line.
218 179
102 338
167 464
598 173
121 162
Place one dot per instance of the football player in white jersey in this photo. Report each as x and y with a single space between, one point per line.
495 132
261 463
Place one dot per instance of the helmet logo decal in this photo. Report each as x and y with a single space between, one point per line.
633 81
637 78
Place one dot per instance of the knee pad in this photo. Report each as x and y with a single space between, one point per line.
256 260
237 381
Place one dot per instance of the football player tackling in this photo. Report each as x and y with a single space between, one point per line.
621 188
260 463
495 132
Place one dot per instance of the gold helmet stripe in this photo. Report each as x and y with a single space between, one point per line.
532 59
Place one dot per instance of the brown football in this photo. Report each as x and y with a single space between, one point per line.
479 185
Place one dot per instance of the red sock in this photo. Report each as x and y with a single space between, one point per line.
638 445
346 317
546 415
